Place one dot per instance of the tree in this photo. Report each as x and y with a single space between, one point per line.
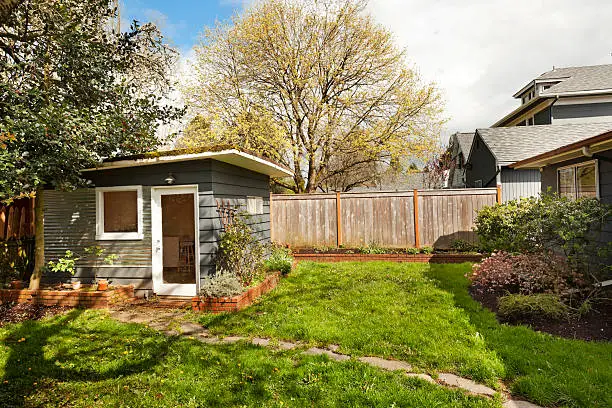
73 91
328 77
438 168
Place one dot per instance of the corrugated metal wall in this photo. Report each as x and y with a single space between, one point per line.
520 183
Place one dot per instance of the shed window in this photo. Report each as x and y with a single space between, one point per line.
579 180
119 213
255 205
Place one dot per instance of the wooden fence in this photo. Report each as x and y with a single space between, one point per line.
17 220
387 219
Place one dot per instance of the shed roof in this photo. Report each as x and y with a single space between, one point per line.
513 144
465 140
232 156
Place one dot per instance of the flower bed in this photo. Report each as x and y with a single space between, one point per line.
235 303
89 299
397 257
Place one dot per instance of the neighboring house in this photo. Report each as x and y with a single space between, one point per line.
495 149
579 169
460 146
159 213
564 95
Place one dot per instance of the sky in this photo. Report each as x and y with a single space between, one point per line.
478 52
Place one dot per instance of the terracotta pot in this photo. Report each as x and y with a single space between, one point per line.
76 285
16 284
102 284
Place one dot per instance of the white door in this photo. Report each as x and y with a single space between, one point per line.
175 235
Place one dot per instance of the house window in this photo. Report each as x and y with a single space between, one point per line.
255 205
119 213
579 180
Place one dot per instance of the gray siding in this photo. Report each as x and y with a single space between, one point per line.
582 113
549 181
519 183
482 165
70 217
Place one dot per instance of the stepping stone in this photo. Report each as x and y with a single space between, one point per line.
232 339
390 365
334 347
519 404
468 385
285 345
209 340
422 377
260 342
315 351
191 328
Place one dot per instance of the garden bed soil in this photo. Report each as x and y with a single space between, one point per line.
595 326
19 312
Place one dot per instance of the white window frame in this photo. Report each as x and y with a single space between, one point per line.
257 203
576 166
117 236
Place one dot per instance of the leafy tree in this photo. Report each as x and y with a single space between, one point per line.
437 169
73 91
326 80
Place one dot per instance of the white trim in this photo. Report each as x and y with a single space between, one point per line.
117 236
572 93
581 100
575 166
159 287
231 156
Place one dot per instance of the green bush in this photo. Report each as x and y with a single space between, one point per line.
14 261
239 251
518 307
372 248
548 222
427 250
280 260
222 284
461 245
412 250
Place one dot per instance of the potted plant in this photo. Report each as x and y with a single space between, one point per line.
96 251
67 264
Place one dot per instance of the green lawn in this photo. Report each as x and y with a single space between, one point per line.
85 359
423 314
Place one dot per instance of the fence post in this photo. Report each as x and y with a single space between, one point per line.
417 233
499 194
338 221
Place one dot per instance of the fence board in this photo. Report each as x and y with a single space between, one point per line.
380 218
17 220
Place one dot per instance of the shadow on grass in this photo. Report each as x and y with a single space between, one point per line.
40 353
545 369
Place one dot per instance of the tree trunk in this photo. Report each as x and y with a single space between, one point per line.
39 243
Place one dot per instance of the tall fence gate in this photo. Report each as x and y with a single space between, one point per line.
398 219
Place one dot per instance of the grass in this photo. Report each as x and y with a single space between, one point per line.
85 359
423 314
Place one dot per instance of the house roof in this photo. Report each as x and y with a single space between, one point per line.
232 156
578 79
465 140
513 144
590 146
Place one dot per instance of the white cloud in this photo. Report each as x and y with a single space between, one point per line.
481 52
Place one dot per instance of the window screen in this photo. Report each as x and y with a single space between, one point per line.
120 211
586 181
567 183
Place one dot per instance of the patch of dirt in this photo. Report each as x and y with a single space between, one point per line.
595 326
19 312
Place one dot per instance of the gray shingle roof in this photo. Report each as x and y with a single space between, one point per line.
511 144
589 78
465 141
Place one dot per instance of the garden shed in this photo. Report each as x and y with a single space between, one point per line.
160 213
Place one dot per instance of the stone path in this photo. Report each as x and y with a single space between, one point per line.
172 323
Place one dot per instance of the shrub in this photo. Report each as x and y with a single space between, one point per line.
14 261
461 245
549 222
372 248
223 284
239 251
280 260
427 250
518 307
525 274
412 250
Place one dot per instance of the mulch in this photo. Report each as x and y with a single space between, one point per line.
19 312
595 326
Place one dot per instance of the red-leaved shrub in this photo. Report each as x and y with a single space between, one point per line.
525 274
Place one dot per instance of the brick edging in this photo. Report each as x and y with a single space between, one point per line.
421 258
233 304
68 298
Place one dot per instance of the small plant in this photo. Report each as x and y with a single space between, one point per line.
372 248
427 250
67 264
461 245
223 284
543 305
412 250
14 261
321 249
280 260
239 251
